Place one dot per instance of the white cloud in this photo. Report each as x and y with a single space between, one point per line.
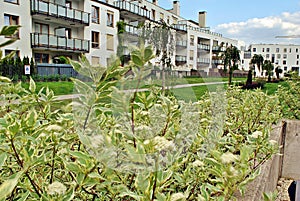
264 30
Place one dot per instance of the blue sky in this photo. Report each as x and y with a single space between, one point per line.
254 21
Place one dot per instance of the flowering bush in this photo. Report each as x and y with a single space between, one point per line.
113 144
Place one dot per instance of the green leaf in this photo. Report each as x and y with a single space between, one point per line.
8 186
3 158
9 30
8 42
5 79
148 54
24 196
137 60
32 86
70 195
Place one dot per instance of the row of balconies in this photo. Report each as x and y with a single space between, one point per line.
183 59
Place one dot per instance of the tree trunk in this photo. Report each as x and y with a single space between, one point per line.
230 77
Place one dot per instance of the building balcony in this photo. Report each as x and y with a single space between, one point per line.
131 10
203 60
59 43
204 47
132 30
180 60
218 49
58 13
180 27
181 43
217 61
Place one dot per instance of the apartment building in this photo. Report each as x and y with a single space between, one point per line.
53 28
286 57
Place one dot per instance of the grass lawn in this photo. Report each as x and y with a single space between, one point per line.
59 88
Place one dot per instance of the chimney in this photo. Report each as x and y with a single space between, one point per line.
155 2
176 7
202 19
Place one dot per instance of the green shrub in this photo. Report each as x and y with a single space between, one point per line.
114 145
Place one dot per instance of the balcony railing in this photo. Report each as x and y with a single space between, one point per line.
203 47
180 58
59 42
181 43
217 61
59 11
132 30
203 60
133 8
218 48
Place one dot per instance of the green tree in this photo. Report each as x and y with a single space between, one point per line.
268 67
231 57
121 47
257 60
278 71
162 38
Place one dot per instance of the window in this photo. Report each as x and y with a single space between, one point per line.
297 62
41 58
297 56
278 56
41 28
68 33
263 50
95 39
109 42
110 19
267 56
175 20
191 54
95 60
12 1
290 50
192 39
284 56
284 50
153 14
277 50
285 68
95 15
284 62
268 49
69 4
11 20
168 20
17 53
161 16
254 49
296 49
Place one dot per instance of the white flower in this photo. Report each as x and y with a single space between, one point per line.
198 163
177 196
56 188
228 157
256 134
146 142
162 143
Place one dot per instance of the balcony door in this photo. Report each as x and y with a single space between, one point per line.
42 34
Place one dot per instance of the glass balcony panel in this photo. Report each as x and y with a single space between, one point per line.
70 43
42 6
85 45
77 15
52 40
43 40
70 13
52 9
77 44
85 17
61 11
61 42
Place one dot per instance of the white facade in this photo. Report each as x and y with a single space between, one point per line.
286 57
70 28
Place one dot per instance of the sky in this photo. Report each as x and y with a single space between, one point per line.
252 21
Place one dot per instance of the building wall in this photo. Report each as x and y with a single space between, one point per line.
22 10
